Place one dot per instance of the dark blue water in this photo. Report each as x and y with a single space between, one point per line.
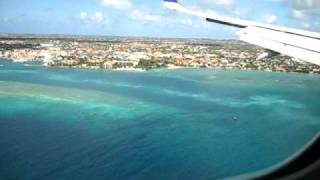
163 124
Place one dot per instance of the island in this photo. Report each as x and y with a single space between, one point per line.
141 54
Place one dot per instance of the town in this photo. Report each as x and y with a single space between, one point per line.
141 54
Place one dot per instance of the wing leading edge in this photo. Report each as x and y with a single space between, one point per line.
300 44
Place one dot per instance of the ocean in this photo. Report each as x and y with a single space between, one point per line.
58 123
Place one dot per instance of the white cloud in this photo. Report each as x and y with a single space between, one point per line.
275 1
97 17
270 18
307 4
118 4
83 15
305 25
230 8
185 22
143 16
299 14
299 4
301 8
219 2
304 12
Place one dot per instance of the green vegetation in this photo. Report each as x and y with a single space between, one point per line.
251 66
219 55
116 65
303 71
83 60
147 64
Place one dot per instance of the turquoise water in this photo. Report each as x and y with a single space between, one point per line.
163 124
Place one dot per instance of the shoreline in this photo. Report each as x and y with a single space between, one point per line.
139 70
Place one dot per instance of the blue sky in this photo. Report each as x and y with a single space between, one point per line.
149 17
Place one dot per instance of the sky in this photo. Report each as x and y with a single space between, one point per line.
149 18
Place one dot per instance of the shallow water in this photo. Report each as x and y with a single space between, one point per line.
163 124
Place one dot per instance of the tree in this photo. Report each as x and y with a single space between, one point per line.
147 64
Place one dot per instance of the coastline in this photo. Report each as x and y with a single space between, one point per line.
140 70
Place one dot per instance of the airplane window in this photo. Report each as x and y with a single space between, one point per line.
137 89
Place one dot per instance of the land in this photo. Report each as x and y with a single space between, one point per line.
140 54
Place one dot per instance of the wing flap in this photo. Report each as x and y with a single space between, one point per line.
302 42
281 47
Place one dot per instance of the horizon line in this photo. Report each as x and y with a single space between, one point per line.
3 34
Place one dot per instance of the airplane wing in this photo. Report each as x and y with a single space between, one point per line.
300 44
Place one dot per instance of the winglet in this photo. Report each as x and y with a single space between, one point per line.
172 1
172 4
